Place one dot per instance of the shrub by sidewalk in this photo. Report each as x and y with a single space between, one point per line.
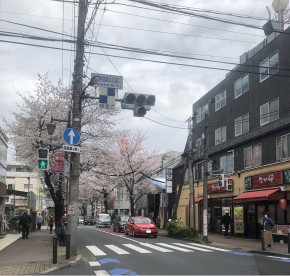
177 229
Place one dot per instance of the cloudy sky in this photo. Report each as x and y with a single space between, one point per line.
196 52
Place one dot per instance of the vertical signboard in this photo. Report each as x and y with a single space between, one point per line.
168 180
239 220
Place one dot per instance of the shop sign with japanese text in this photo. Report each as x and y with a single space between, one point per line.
266 180
215 188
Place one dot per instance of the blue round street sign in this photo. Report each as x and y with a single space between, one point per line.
71 136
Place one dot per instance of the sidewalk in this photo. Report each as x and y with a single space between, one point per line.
33 256
243 244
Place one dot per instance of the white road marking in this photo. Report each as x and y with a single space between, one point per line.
137 248
117 249
102 273
193 247
210 247
96 251
158 248
175 247
94 263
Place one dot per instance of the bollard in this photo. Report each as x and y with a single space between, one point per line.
54 250
67 244
288 242
263 239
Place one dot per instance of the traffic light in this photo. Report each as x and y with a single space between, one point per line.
139 103
221 180
43 159
229 184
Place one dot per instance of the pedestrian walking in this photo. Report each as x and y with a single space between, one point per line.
268 225
226 221
50 223
25 222
39 220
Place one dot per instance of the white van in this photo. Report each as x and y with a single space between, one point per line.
103 220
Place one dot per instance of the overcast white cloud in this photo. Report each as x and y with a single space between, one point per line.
133 25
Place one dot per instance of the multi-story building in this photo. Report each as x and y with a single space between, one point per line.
3 171
243 124
25 188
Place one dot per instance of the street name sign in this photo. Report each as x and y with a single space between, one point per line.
110 81
71 136
70 148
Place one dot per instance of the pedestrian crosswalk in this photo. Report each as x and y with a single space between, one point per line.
147 248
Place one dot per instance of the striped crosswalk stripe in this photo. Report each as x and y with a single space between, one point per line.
174 247
102 273
158 248
95 250
192 247
137 248
210 247
117 249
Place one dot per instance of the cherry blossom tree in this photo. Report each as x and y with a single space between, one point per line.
124 162
28 128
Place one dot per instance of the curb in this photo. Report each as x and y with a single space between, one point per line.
63 266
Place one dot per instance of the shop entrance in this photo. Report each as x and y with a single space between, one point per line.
250 221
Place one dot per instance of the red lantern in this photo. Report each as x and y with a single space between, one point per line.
283 204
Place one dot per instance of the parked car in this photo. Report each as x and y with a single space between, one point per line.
103 220
89 220
141 226
81 220
119 223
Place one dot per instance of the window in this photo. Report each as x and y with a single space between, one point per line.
282 147
11 186
242 124
269 112
26 186
269 66
241 86
227 163
198 171
198 147
20 169
220 135
201 113
253 156
220 100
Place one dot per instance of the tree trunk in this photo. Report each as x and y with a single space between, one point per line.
132 207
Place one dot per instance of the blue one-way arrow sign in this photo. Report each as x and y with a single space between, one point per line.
71 136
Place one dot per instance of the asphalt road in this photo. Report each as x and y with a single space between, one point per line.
107 253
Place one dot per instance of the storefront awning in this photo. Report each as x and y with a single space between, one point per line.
198 199
257 196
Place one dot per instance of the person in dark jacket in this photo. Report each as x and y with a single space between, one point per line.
268 225
226 221
25 222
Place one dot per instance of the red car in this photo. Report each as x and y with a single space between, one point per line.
140 226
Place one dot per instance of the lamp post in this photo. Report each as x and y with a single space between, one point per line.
28 194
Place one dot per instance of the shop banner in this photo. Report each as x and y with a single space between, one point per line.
238 220
215 188
281 230
266 180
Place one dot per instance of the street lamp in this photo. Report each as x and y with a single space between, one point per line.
28 194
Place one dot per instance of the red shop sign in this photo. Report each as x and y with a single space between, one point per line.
266 180
215 188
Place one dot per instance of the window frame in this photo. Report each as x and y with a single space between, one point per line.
270 115
220 100
253 160
238 85
201 111
283 147
268 67
229 158
220 135
244 122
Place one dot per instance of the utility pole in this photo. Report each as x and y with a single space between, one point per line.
205 174
190 176
77 87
